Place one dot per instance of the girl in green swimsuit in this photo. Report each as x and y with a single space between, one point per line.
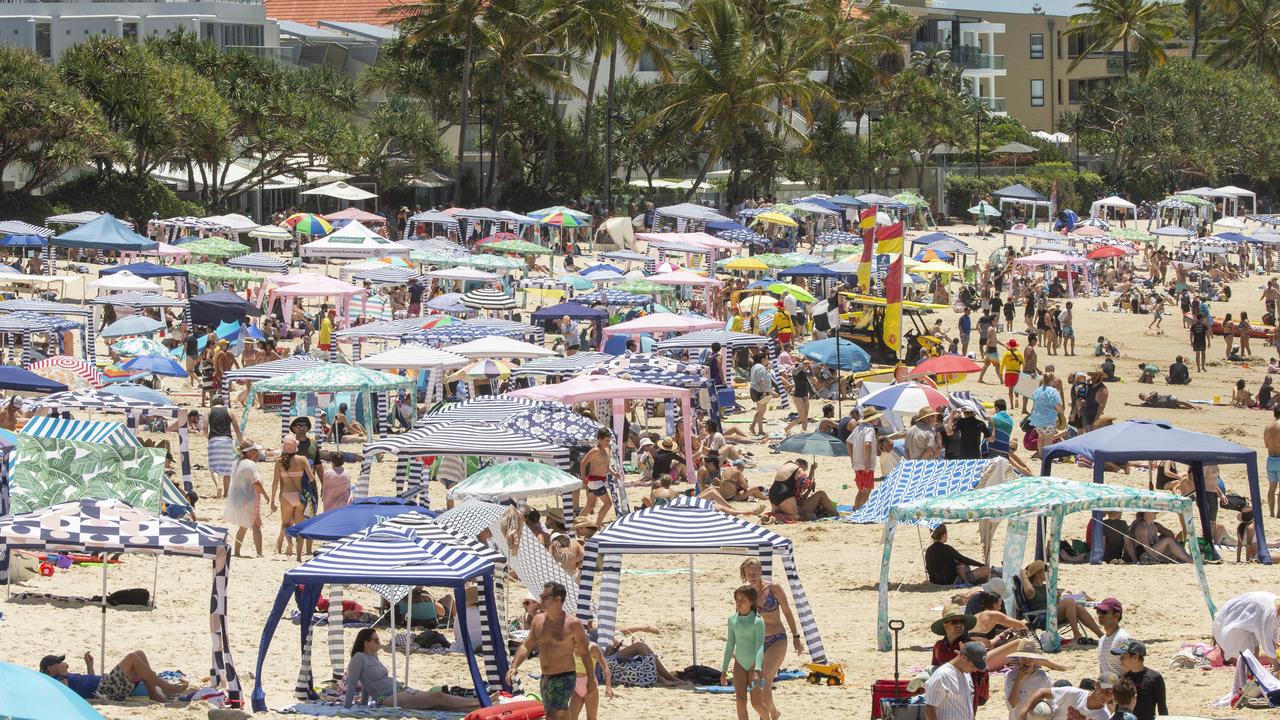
745 646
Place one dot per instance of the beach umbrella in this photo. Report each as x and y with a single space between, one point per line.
1089 231
936 266
562 217
757 303
26 694
814 443
308 224
794 291
156 365
745 264
983 209
945 365
776 218
1106 251
516 480
577 282
486 369
70 371
905 398
488 299
492 262
359 515
804 258
602 276
497 237
518 246
743 235
137 392
644 287
216 247
132 325
1131 234
140 346
776 261
1173 231
836 237
929 255
544 212
270 232
837 353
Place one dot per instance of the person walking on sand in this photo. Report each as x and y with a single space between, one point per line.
1157 313
1067 329
1011 367
744 647
557 638
1199 333
244 497
1271 438
761 384
990 355
597 467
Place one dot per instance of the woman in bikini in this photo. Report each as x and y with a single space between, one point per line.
1245 332
992 621
773 608
287 488
1154 543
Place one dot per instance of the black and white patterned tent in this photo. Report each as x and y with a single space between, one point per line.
273 369
262 262
488 299
393 558
560 366
18 227
486 408
112 526
687 526
107 402
49 307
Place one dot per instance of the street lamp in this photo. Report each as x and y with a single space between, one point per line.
977 125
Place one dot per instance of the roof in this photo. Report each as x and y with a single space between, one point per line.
307 32
392 555
1035 496
310 12
1150 439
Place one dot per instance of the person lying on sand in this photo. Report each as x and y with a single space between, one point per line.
116 685
1164 401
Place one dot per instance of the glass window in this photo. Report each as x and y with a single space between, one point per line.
1037 93
129 31
44 40
1037 46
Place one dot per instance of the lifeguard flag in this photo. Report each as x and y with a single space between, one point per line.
866 228
889 239
893 304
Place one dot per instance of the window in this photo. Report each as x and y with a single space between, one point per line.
1037 93
44 40
129 31
1037 46
647 63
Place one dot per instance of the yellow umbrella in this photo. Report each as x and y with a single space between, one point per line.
936 266
777 218
746 264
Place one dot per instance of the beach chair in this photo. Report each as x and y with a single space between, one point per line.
1022 611
1266 682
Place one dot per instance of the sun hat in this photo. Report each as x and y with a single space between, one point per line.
247 445
289 444
1029 650
645 442
869 415
976 653
1013 343
998 586
1035 566
951 612
1106 681
667 443
582 521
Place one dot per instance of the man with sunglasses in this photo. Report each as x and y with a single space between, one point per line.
1110 612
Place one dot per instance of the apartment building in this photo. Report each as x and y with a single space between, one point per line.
1017 62
50 27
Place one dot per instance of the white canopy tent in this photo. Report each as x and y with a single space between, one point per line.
341 191
1102 208
353 240
1236 194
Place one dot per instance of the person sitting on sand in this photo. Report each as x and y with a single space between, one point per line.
116 685
993 626
1164 401
944 565
814 504
365 672
785 487
1241 397
1153 542
1147 373
1034 578
637 654
347 430
1179 373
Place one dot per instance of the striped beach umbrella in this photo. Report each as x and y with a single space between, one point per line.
563 218
70 371
488 299
308 224
486 369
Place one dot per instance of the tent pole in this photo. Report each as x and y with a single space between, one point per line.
395 696
693 614
155 582
102 659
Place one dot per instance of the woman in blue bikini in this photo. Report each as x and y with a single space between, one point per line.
773 607
745 649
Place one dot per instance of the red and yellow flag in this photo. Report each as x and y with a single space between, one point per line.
893 304
866 228
889 239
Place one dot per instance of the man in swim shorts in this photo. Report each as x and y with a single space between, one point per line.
557 638
1271 438
597 465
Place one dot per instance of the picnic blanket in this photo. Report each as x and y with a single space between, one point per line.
355 711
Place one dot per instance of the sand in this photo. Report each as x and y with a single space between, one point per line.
838 563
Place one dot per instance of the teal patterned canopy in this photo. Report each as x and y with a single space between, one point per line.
1031 496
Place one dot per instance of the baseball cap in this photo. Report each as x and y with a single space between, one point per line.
49 661
1106 681
1135 647
976 653
1110 605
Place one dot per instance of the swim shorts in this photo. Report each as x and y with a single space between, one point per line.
865 479
1010 379
1067 331
1273 468
557 690
115 686
596 485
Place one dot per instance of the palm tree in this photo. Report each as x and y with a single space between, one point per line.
1139 24
855 38
721 88
455 18
788 59
1250 37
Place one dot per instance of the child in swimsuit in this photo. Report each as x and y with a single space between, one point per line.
745 647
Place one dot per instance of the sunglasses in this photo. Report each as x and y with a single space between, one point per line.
955 621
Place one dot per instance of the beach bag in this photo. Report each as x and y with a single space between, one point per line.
1234 502
700 675
1031 440
1027 384
639 671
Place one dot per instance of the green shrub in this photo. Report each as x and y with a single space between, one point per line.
121 195
28 208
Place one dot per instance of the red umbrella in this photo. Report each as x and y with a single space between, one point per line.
1106 251
497 237
945 365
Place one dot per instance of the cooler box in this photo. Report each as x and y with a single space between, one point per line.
725 399
887 690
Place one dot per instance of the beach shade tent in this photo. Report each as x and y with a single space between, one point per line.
412 356
1236 194
587 388
1101 208
329 378
124 281
288 288
662 323
516 480
149 270
732 341
613 298
73 372
556 367
20 380
627 256
132 325
488 299
101 432
273 369
462 274
341 191
456 333
914 480
393 560
808 270
1041 259
554 423
687 526
133 347
497 346
103 233
355 214
574 311
1173 231
353 240
1019 502
113 526
25 324
18 227
1138 440
27 694
260 262
621 232
23 241
75 218
691 211
486 408
214 308
942 241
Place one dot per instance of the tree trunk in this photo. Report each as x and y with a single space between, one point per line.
1195 28
551 140
702 175
587 131
495 143
608 131
479 152
1126 57
462 113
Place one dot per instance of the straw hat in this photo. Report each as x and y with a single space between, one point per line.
923 413
948 613
667 443
1096 371
1034 567
870 415
247 445
1030 651
582 521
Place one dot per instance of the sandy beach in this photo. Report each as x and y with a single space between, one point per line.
838 563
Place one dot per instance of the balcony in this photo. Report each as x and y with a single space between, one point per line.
287 55
993 104
981 61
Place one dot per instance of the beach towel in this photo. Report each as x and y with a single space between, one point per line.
728 689
337 710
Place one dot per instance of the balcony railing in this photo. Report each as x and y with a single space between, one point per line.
981 61
287 55
994 104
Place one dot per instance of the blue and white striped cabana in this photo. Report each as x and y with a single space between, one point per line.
688 526
392 559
